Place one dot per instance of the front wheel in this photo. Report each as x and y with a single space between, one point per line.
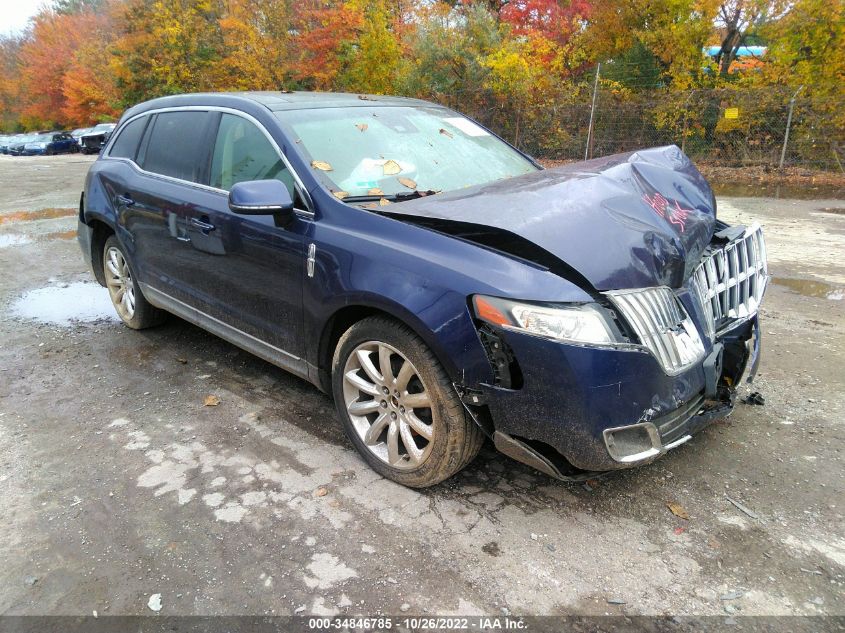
131 306
398 406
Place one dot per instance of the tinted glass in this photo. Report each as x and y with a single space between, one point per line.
242 152
126 144
175 144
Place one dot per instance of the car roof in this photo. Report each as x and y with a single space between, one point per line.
276 101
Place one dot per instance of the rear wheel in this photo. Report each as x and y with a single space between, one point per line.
398 406
131 306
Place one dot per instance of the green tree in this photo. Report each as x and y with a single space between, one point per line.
168 47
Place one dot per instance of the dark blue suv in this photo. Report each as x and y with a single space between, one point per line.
435 280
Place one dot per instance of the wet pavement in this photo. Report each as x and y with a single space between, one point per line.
118 484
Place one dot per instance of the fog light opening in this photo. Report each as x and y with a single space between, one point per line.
633 443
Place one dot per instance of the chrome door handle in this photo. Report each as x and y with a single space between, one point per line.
202 226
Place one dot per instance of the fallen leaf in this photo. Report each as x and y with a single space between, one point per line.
446 133
678 510
680 530
369 205
410 184
321 165
383 202
321 492
341 194
391 167
211 401
365 98
361 126
375 191
184 361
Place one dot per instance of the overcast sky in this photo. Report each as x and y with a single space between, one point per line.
15 13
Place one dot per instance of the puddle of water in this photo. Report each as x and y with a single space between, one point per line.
791 192
811 288
66 304
14 239
41 214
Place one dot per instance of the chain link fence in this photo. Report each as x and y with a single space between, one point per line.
728 127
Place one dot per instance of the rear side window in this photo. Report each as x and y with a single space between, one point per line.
242 152
176 144
126 144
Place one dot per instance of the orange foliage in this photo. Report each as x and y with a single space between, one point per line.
45 59
325 30
88 85
255 40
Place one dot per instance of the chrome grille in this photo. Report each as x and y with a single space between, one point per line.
730 281
662 325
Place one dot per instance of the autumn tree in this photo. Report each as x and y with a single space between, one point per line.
326 35
673 31
168 47
10 82
372 61
257 47
45 57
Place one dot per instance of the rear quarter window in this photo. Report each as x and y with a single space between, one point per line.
126 143
177 144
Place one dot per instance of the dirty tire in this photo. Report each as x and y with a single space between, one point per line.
456 439
144 314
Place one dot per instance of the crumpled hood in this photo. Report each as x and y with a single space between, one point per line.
624 221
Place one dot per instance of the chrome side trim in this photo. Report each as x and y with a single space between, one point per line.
678 442
255 207
311 260
253 345
299 184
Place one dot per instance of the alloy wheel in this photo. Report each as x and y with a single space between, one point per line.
119 282
388 405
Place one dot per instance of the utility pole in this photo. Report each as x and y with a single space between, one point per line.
592 114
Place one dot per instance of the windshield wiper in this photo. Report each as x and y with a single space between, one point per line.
393 197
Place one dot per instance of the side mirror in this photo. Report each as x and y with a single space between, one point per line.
260 197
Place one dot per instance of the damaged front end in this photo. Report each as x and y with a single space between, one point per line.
724 292
674 365
670 334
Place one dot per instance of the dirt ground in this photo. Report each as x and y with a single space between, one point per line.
118 484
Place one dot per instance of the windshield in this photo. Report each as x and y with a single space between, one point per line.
103 127
397 150
42 138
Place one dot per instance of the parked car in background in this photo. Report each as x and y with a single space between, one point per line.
51 143
77 135
16 145
92 141
434 279
4 143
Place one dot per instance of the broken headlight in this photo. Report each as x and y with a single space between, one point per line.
585 323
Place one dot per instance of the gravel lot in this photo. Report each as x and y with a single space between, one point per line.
117 483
